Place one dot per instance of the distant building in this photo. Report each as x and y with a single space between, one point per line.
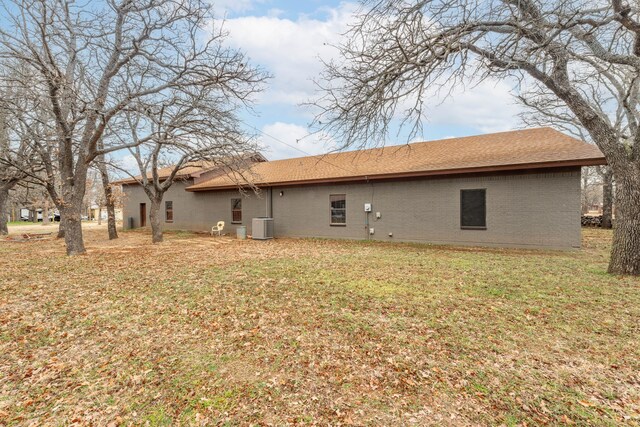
96 211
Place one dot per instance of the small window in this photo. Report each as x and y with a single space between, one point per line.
168 211
338 204
236 210
473 209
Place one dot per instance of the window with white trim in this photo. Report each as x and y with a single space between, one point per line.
338 207
236 211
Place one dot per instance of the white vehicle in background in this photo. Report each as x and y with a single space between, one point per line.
54 215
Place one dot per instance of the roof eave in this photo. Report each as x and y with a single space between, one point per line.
596 161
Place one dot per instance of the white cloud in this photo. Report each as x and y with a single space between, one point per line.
488 107
290 49
285 140
126 162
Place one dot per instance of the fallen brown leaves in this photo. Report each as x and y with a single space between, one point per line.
202 331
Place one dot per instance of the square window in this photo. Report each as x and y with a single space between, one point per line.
473 209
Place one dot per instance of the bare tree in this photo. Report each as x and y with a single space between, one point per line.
34 128
9 178
31 148
192 129
109 198
92 61
400 52
15 159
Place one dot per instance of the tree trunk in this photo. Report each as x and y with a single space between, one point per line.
45 213
108 196
71 205
607 198
625 254
111 219
156 221
61 225
72 215
56 202
4 198
584 198
100 215
71 209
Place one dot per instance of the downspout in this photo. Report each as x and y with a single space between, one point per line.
270 207
269 200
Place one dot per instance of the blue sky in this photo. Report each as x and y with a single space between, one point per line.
288 37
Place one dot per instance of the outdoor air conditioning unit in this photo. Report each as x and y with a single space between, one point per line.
262 228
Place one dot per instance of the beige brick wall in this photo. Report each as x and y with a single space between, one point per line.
528 210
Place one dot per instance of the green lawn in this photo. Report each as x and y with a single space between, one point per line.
201 330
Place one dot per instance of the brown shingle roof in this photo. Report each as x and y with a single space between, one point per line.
521 149
187 172
190 170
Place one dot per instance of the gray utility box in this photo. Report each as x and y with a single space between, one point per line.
262 228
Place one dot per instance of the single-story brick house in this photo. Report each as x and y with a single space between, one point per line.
516 189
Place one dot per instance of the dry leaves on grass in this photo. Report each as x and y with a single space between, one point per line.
201 331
